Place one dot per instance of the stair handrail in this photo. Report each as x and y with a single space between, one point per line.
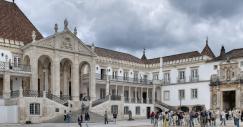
165 105
100 101
56 98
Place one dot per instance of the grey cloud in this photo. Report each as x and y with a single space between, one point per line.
162 27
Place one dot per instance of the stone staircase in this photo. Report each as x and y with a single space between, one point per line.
164 106
94 118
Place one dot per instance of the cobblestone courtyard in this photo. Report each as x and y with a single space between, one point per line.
136 123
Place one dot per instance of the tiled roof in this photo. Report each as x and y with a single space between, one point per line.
14 25
116 55
235 53
182 56
207 51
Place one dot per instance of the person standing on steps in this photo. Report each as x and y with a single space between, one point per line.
69 117
106 117
65 116
115 116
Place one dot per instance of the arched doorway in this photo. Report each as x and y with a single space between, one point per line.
66 79
44 74
84 82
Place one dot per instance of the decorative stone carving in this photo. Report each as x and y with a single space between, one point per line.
47 44
66 44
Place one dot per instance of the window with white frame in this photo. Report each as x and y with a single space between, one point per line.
194 73
138 110
34 109
114 109
241 63
114 74
135 76
181 74
181 94
167 95
194 93
156 76
125 75
126 110
215 67
167 76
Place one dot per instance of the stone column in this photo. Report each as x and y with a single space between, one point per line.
218 98
46 80
75 81
153 95
92 80
141 94
34 72
55 86
107 87
65 83
6 85
129 94
136 90
237 99
147 96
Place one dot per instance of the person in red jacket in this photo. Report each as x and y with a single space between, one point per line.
152 114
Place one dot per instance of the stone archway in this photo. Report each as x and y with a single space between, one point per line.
44 74
84 80
66 78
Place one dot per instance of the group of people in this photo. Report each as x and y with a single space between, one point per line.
205 118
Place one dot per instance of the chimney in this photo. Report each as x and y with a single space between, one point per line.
222 52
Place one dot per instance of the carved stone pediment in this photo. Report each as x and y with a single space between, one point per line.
66 43
46 44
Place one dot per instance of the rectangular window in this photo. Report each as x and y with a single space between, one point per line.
114 75
156 76
194 73
215 67
125 76
194 93
167 77
126 110
181 75
181 94
137 110
135 76
166 95
34 109
241 63
114 109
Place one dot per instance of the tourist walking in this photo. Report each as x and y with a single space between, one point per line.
191 119
237 118
222 118
166 120
80 120
65 116
152 117
160 120
69 117
106 117
114 116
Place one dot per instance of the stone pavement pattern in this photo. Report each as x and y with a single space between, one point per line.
136 123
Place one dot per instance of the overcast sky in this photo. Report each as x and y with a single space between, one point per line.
163 27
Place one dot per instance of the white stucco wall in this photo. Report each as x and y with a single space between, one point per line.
143 109
9 114
203 94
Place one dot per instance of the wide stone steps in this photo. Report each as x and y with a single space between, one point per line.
94 118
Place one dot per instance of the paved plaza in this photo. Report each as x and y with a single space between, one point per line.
135 123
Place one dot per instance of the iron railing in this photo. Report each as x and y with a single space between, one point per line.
56 98
14 67
179 80
115 97
123 79
32 93
65 97
194 79
99 101
14 94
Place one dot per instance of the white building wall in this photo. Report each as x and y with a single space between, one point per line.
9 114
203 94
143 109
